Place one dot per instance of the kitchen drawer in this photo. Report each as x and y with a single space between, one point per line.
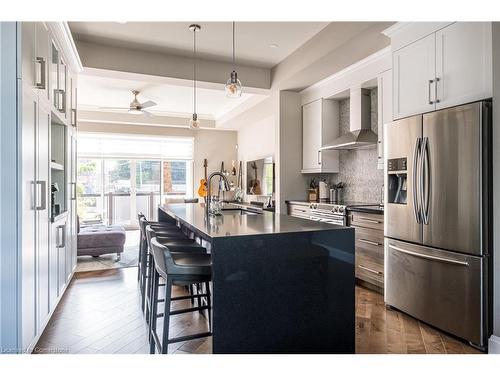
370 243
366 220
370 270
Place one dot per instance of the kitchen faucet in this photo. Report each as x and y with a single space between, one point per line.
225 187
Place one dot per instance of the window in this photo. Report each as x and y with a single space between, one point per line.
120 175
148 176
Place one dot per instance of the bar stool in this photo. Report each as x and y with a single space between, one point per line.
174 244
142 242
167 229
177 269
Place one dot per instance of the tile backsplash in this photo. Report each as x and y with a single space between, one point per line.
363 182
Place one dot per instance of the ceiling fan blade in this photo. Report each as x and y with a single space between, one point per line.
123 108
147 113
148 104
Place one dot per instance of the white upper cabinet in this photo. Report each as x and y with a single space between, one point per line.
463 63
319 126
384 101
42 60
413 78
448 67
27 71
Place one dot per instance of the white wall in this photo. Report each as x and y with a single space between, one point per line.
494 344
214 145
291 182
257 133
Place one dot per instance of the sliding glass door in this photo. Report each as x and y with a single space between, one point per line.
120 175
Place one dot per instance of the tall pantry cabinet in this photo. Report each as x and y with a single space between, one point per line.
43 126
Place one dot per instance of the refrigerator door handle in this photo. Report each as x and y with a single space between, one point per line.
430 257
415 177
425 181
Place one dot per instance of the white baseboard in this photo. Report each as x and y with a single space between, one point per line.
494 345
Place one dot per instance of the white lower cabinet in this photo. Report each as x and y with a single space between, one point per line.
43 219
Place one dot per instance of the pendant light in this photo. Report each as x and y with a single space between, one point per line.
233 85
194 123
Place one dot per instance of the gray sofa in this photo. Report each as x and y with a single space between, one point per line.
98 240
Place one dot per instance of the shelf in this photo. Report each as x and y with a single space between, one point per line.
56 166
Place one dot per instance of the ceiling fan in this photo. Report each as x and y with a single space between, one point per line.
136 107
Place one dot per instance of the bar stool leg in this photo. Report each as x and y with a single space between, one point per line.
209 304
139 260
199 291
144 269
190 289
149 286
166 315
154 311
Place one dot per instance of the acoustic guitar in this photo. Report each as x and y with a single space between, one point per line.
203 189
255 183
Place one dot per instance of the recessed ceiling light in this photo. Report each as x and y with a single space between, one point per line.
273 45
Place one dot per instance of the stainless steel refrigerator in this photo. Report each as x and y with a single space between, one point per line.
438 219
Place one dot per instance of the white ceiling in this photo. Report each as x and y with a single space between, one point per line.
173 100
253 39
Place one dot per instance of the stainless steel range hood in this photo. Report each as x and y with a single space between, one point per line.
361 134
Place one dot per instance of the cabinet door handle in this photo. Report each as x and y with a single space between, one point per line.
319 157
370 242
61 102
43 195
73 198
436 100
369 269
367 220
41 81
431 81
73 117
61 236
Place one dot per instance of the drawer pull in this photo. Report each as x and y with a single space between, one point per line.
430 257
367 220
370 242
369 269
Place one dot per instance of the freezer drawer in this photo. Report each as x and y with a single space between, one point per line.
441 288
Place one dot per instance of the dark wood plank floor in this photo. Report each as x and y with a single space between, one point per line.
100 313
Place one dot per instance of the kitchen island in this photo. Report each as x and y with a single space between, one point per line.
280 284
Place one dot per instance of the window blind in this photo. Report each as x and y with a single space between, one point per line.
117 146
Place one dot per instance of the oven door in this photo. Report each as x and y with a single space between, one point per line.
331 220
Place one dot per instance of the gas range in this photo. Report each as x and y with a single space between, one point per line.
328 212
333 213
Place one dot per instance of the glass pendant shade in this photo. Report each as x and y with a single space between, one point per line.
233 86
194 123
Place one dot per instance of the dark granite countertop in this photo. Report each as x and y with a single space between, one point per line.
236 222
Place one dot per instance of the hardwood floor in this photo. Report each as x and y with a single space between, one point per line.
100 313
